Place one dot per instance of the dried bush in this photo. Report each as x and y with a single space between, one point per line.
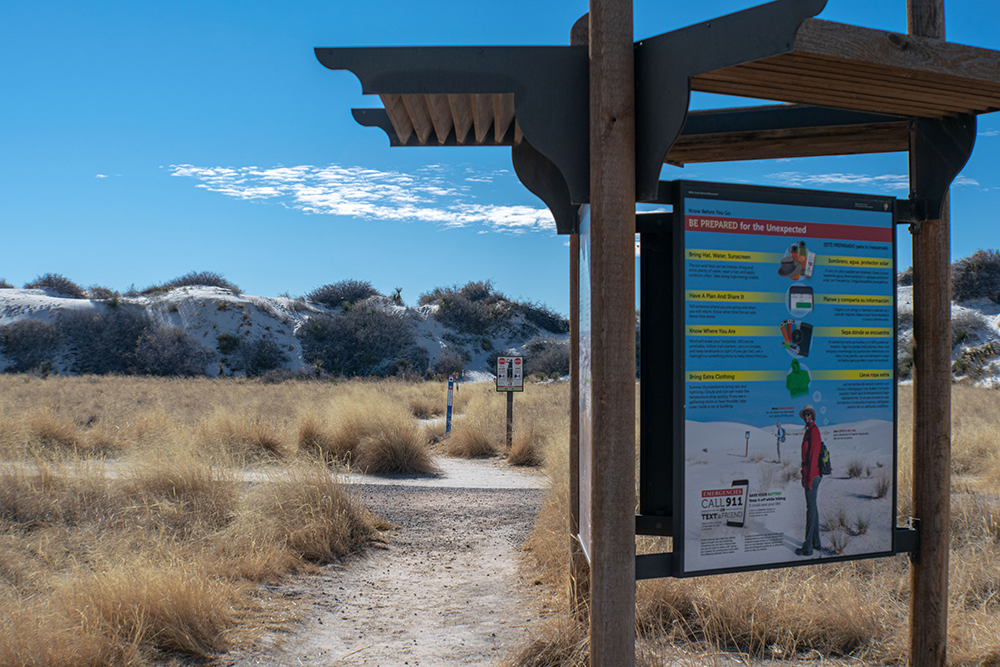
362 341
28 344
170 351
394 450
905 278
194 278
105 342
546 356
348 292
976 276
965 326
57 284
5 285
476 308
470 442
544 317
99 293
448 363
260 356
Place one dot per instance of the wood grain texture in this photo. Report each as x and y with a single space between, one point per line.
461 115
503 114
398 116
931 403
612 201
482 115
850 67
420 116
440 112
775 144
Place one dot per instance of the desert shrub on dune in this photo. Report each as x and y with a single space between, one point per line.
29 343
57 284
193 279
362 341
342 294
976 276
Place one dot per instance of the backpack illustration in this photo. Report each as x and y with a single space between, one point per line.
825 466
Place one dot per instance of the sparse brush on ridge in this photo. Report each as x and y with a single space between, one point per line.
193 279
343 294
57 284
5 285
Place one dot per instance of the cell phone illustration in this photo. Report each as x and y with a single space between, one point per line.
739 503
800 297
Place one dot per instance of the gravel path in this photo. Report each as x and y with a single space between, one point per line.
447 590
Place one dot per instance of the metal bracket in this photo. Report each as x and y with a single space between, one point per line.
550 85
543 178
908 539
939 150
910 211
665 63
654 566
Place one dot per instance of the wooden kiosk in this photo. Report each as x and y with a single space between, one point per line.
594 122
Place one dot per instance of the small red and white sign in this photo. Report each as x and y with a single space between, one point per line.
510 373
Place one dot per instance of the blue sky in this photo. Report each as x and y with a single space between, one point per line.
143 140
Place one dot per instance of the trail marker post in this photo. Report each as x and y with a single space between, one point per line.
447 421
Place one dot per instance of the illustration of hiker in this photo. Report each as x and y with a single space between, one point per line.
811 443
781 439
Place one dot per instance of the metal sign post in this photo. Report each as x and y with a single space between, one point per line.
510 378
447 422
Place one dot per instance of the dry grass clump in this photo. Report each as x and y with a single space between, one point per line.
122 564
526 450
470 443
396 449
248 438
857 609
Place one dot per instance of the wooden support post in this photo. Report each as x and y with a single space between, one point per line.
612 299
932 406
579 570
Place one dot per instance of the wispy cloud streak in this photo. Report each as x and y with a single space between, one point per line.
370 194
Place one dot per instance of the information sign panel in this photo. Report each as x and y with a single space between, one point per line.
510 373
789 357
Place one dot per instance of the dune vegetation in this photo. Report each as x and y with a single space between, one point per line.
139 518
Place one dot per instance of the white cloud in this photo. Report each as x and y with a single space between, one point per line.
371 194
101 176
990 133
800 179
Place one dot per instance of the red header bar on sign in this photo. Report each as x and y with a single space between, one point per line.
716 493
815 230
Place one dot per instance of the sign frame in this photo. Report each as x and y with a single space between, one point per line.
511 368
665 364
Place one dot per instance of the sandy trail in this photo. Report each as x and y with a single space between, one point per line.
447 590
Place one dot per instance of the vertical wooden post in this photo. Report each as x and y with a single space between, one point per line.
932 406
612 203
579 570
